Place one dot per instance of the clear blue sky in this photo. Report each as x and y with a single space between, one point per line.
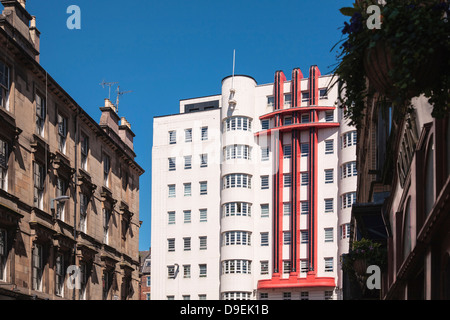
170 50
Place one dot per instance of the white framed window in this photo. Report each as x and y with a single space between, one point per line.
305 96
286 237
204 160
84 151
171 245
348 199
323 94
38 267
305 118
187 216
203 240
187 244
345 231
187 189
329 264
236 267
236 296
329 205
304 266
62 133
304 236
270 101
172 137
348 139
264 182
171 188
329 146
3 254
264 267
84 202
61 189
265 124
264 239
238 123
348 170
329 175
237 151
187 271
203 215
239 238
304 178
264 210
287 121
40 114
187 162
203 270
203 188
4 85
304 149
170 275
263 296
4 165
329 116
329 237
172 164
187 135
304 207
287 100
204 133
39 178
286 208
106 169
287 151
171 217
287 180
231 209
265 154
237 180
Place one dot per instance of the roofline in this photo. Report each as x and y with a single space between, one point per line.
240 75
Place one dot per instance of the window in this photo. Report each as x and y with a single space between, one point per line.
304 266
270 101
203 242
305 96
286 296
62 133
287 100
329 205
106 169
3 165
171 245
348 170
106 218
204 133
264 239
236 266
84 151
59 272
287 180
304 236
237 151
83 281
187 189
286 237
187 162
304 295
39 177
203 188
264 210
236 295
84 201
348 199
38 267
263 296
3 254
61 189
186 297
348 139
328 295
265 154
287 121
172 164
4 85
323 94
203 270
329 264
345 230
187 216
286 266
304 207
329 175
203 160
329 116
304 149
236 209
170 273
329 235
172 137
304 177
149 281
264 182
187 244
265 124
287 208
238 180
187 271
232 238
188 135
203 215
287 151
202 297
171 190
238 123
429 179
171 217
329 146
305 118
40 114
265 267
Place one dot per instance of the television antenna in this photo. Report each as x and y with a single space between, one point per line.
108 84
120 93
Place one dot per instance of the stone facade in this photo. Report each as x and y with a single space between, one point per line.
69 192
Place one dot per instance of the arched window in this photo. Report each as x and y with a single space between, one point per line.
407 231
429 178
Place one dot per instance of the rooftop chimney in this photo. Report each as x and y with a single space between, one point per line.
125 133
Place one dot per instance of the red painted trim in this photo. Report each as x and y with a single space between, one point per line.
299 126
297 109
296 90
280 205
295 282
280 79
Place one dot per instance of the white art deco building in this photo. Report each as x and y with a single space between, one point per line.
252 192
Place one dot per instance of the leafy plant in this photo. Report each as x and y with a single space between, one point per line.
371 252
415 36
